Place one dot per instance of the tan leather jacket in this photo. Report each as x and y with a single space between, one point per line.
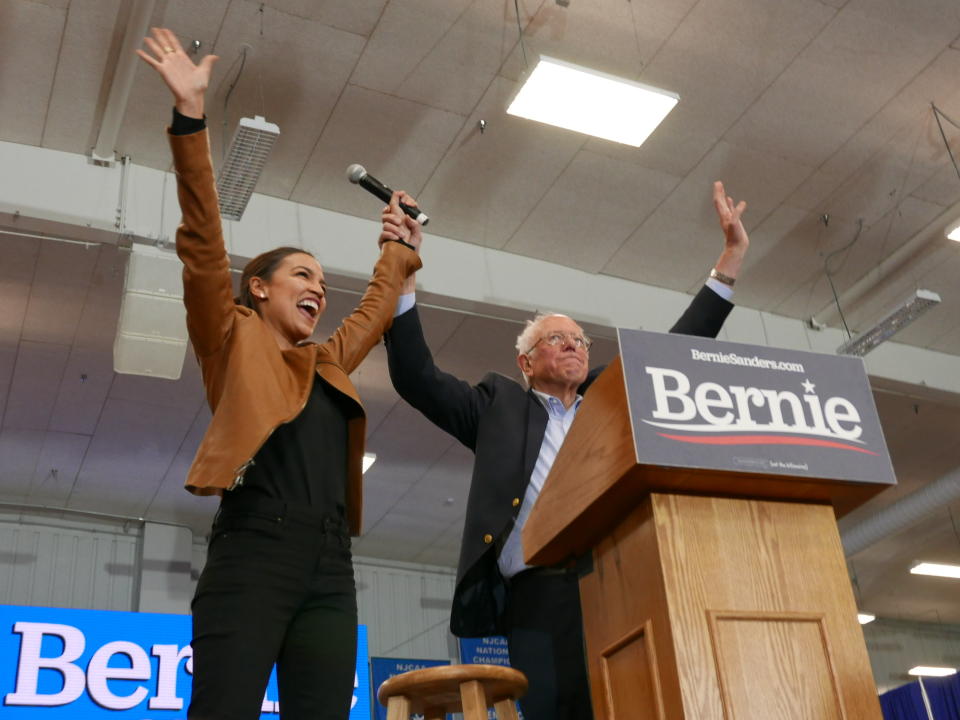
252 386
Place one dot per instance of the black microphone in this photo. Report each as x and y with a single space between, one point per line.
358 175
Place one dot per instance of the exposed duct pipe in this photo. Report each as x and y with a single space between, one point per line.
903 513
886 267
137 25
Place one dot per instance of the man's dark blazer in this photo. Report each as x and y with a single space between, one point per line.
503 424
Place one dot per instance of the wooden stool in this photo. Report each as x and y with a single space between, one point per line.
470 689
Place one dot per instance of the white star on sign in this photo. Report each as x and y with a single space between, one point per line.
808 386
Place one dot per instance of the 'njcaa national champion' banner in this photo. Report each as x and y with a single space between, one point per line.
99 665
696 402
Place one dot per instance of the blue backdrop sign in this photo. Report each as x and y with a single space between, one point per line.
488 650
384 668
101 665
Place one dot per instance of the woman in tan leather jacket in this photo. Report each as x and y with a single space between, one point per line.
283 450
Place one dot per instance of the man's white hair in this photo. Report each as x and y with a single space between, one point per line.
528 337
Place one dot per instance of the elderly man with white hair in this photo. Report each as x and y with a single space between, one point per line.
515 431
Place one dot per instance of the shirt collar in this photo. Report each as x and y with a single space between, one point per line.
555 404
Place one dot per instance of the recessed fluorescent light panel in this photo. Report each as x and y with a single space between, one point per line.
577 98
936 569
929 671
864 618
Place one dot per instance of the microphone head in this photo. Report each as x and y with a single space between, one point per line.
356 173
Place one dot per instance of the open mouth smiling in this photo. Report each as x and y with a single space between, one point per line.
309 307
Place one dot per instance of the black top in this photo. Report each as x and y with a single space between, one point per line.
304 461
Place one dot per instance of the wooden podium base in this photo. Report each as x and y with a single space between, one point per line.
711 608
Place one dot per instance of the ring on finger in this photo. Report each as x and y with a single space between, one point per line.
167 49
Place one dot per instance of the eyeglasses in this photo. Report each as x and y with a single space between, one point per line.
580 342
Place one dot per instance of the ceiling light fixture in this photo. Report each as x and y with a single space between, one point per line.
587 101
936 570
864 618
953 232
894 322
931 671
368 460
246 157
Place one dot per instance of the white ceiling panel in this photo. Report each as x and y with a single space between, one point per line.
481 345
590 210
788 238
682 238
418 42
36 381
904 126
83 390
133 448
381 491
34 32
839 90
60 286
16 278
193 20
607 35
97 326
186 393
488 183
8 360
718 80
885 182
395 536
172 502
56 468
79 92
948 343
444 549
356 16
396 140
19 452
666 250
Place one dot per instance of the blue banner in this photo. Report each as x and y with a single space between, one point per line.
61 664
489 651
384 668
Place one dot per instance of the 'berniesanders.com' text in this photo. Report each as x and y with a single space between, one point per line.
754 361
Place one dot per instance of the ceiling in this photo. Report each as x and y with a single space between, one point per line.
805 108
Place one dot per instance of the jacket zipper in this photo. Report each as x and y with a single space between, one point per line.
241 471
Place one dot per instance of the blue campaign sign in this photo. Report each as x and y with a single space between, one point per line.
489 650
384 668
66 664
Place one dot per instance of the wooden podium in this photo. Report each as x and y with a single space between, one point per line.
714 594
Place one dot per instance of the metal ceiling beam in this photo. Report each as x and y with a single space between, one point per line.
137 25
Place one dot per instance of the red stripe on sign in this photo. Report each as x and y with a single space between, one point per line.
764 440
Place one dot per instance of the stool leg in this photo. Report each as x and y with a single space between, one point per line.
398 708
474 700
506 709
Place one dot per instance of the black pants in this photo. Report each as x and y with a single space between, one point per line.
277 587
545 638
